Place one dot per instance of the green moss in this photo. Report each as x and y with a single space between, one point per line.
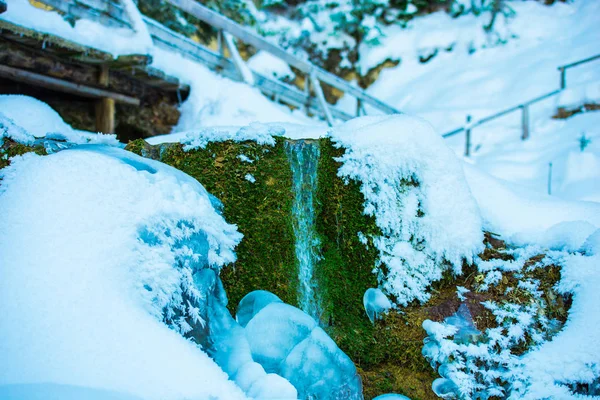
261 210
9 148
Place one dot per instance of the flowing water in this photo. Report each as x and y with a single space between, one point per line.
304 160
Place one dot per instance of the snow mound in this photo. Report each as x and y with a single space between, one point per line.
415 188
267 64
33 115
25 118
95 253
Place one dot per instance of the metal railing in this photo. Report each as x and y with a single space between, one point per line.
523 107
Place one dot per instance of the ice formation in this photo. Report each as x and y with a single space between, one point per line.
415 188
226 342
375 303
288 342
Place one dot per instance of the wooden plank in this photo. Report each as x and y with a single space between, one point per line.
63 86
220 22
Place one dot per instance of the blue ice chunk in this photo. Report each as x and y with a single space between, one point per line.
252 303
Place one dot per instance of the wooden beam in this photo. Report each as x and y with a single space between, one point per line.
105 107
63 86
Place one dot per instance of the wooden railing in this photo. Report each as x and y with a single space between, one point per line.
523 108
289 94
313 74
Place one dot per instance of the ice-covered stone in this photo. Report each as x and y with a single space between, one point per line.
391 396
272 386
274 331
444 388
252 303
375 303
287 341
463 321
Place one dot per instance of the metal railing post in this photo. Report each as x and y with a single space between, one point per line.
524 121
563 77
468 137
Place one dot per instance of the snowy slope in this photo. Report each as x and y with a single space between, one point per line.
455 84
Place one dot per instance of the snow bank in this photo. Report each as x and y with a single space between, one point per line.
37 119
415 188
217 101
521 215
117 41
268 65
94 256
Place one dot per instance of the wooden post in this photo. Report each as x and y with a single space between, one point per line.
524 121
358 107
468 137
563 77
105 107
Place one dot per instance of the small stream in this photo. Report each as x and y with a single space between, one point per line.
304 160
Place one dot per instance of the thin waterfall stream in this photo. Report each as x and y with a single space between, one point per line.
303 156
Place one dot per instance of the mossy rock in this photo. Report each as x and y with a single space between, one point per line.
261 210
387 353
9 148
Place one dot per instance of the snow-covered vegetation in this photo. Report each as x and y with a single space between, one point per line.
110 263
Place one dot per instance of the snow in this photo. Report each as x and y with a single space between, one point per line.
457 82
268 65
415 188
261 133
36 119
116 41
217 101
375 303
49 391
515 212
79 265
572 356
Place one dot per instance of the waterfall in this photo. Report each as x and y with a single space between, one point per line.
303 156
